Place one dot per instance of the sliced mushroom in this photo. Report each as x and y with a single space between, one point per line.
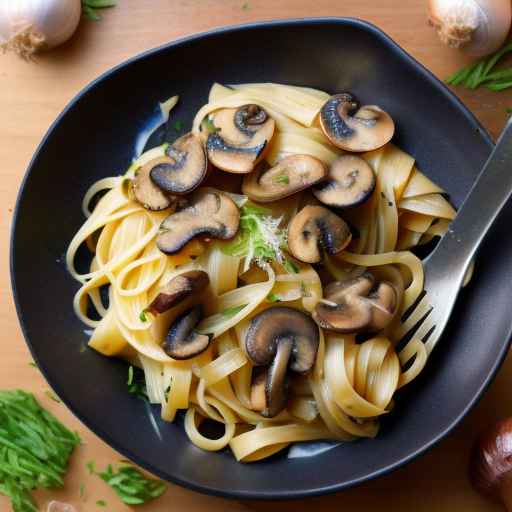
242 135
178 289
354 128
183 168
316 229
350 183
147 193
182 342
357 305
211 213
290 175
279 338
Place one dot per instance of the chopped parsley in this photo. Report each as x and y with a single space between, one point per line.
101 503
272 297
136 383
89 7
81 491
132 486
208 126
52 396
90 467
143 317
290 266
178 126
34 365
304 290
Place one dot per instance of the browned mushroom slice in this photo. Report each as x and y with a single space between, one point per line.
290 175
183 168
241 138
316 229
182 342
211 213
178 289
279 338
354 128
146 192
356 305
350 182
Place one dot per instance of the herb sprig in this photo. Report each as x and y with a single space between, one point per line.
483 73
89 7
131 485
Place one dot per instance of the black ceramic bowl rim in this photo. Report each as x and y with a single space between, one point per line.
427 76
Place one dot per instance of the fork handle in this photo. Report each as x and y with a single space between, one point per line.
484 202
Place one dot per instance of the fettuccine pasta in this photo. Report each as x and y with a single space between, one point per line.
269 301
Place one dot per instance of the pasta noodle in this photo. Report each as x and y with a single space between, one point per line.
354 375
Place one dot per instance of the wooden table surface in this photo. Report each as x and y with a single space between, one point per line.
31 96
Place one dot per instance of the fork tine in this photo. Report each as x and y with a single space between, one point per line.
425 328
421 311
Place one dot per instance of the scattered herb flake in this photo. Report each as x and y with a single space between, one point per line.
101 503
132 486
178 126
90 467
83 348
508 110
208 126
52 396
82 491
290 266
130 376
34 365
230 312
281 179
136 383
246 6
272 297
142 316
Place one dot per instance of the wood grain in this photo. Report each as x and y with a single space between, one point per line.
31 96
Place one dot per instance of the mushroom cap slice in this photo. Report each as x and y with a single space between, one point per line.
316 229
354 128
243 135
182 342
178 289
279 338
270 327
356 305
350 182
292 174
385 301
146 192
211 213
184 166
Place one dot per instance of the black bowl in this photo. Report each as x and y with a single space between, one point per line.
94 137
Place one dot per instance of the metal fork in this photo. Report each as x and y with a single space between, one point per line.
446 267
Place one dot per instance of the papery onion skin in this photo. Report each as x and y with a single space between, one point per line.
28 26
477 27
491 459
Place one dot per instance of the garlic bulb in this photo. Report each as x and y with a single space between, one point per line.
27 26
478 27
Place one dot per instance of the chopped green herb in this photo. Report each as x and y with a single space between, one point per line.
259 239
34 365
272 297
83 348
483 72
136 383
208 126
133 487
508 110
178 126
282 179
304 290
246 6
230 312
142 316
90 467
89 7
35 449
101 503
290 266
82 491
52 396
